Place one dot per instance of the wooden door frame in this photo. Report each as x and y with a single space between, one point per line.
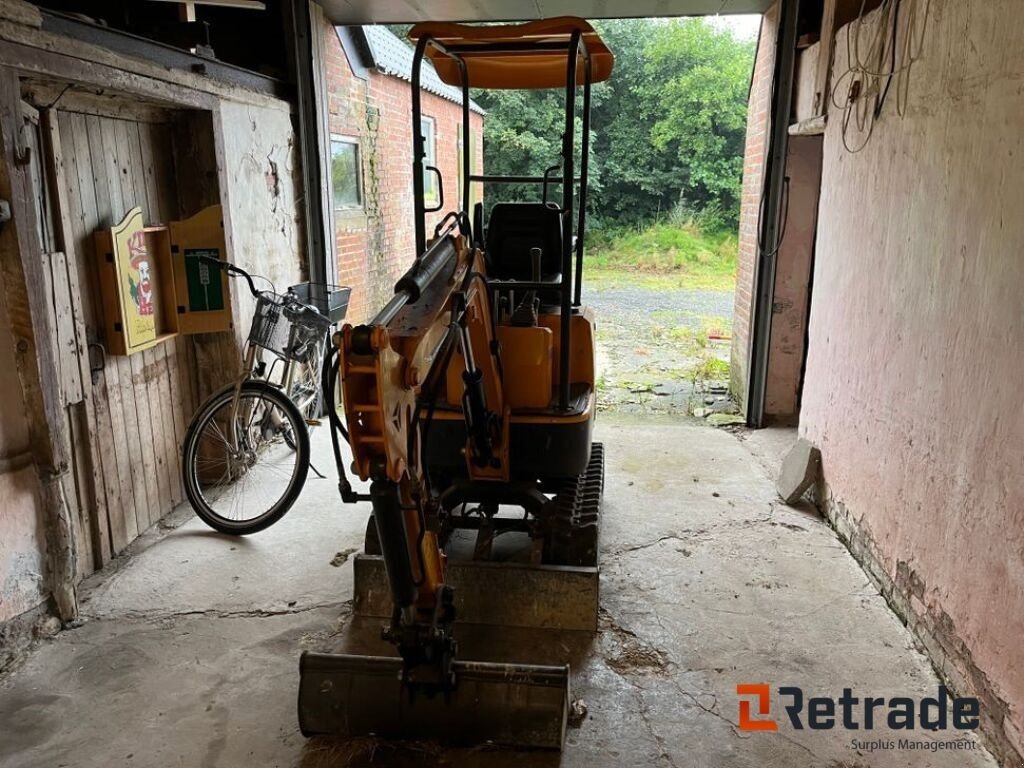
24 283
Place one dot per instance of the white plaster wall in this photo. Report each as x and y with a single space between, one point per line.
22 540
22 544
916 358
257 165
261 187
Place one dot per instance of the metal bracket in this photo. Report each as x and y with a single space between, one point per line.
94 369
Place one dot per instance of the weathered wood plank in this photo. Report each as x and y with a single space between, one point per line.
147 457
84 437
125 530
89 559
156 492
158 157
42 94
162 470
108 184
177 401
133 191
67 340
25 288
71 218
120 151
50 308
171 455
822 92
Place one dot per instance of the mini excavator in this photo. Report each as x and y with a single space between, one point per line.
474 385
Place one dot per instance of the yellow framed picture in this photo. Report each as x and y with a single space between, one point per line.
137 281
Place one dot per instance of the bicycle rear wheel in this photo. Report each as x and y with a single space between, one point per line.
243 484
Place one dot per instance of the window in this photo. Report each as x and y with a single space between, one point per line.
430 158
346 180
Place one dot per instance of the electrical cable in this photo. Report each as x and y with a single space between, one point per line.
866 72
785 219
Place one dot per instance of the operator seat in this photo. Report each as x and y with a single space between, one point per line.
515 228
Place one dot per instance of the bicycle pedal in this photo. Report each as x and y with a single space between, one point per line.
313 422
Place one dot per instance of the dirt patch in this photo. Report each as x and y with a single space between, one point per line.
342 557
626 653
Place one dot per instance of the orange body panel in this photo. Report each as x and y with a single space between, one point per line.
581 357
527 360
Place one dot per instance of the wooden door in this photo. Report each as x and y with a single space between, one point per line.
67 333
128 414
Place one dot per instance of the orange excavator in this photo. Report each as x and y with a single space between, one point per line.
471 393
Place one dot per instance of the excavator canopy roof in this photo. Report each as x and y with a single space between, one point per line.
514 56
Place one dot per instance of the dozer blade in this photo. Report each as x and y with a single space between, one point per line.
508 704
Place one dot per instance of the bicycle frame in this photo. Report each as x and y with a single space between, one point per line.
249 363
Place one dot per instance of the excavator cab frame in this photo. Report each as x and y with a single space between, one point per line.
550 41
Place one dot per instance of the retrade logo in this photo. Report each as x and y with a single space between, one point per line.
762 693
854 712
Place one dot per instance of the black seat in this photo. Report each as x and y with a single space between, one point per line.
515 228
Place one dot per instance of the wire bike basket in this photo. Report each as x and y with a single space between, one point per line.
285 326
293 325
331 300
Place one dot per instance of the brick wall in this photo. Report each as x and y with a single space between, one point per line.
376 243
750 203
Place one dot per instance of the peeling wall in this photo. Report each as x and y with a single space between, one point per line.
22 538
913 388
260 189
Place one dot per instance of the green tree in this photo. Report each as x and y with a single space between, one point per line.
668 127
696 87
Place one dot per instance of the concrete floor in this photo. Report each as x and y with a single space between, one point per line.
190 653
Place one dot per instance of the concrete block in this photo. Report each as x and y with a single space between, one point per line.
799 471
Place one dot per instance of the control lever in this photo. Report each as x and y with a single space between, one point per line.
526 314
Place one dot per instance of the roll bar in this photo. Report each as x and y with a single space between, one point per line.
569 290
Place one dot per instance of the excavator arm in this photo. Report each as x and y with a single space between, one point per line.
393 371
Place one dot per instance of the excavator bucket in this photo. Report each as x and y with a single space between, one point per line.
508 704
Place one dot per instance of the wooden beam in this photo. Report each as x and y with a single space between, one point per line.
38 52
21 265
247 5
46 63
822 95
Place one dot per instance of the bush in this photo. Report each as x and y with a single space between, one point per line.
678 244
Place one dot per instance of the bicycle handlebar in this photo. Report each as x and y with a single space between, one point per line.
231 269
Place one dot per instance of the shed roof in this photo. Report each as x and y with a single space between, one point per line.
388 53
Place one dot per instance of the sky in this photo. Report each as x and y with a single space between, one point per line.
743 26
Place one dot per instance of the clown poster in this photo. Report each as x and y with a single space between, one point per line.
136 279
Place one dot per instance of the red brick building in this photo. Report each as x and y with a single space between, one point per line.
368 74
758 125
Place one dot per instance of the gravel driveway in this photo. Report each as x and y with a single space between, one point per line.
661 350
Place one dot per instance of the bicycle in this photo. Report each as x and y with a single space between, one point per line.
247 448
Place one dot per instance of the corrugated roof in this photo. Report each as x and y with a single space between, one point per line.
393 56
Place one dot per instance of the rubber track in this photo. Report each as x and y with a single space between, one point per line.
574 524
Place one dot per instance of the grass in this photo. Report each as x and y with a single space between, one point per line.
663 256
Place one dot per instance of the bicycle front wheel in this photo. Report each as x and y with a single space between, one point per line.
243 467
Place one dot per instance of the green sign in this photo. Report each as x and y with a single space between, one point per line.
205 288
